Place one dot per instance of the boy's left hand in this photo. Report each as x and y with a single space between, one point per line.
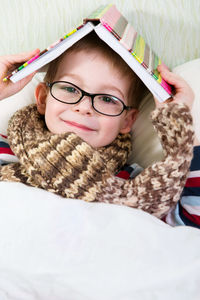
183 92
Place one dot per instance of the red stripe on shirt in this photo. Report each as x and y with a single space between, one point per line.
194 218
123 174
6 151
193 182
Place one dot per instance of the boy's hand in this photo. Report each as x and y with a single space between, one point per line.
183 92
9 63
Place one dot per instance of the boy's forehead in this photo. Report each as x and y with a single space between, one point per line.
80 58
76 55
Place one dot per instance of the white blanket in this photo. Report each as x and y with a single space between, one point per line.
54 248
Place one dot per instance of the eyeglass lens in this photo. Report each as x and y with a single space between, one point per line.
68 93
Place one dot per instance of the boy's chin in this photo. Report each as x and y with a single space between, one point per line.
88 137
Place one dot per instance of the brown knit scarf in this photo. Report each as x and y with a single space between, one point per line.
61 163
68 166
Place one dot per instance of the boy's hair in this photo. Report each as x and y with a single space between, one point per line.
91 43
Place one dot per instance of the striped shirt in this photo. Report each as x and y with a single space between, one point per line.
187 210
6 154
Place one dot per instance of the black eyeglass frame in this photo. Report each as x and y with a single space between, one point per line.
92 96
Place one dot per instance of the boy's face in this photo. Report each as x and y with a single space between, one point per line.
92 73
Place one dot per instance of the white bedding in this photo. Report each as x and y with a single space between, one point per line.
54 248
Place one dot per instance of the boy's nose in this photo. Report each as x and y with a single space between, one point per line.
84 106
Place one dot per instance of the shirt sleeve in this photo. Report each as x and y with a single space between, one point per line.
6 154
187 210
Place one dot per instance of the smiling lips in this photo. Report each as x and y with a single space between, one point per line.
77 125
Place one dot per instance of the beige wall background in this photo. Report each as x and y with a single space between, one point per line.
170 27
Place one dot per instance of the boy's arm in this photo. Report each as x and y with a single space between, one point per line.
187 210
184 93
159 187
9 63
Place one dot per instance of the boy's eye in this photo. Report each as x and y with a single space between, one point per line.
108 100
70 89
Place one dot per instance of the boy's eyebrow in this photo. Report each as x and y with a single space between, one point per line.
104 87
113 88
71 75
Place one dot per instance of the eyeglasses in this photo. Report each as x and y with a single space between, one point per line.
69 93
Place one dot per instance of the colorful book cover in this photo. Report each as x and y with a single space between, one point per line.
118 26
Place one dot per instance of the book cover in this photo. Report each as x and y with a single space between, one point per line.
113 28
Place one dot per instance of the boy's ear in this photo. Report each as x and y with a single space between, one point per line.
40 96
129 120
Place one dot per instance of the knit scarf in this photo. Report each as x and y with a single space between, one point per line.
68 166
60 163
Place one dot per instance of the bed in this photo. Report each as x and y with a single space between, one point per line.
57 249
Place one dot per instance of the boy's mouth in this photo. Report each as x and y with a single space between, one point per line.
80 126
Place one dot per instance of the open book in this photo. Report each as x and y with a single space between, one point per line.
112 27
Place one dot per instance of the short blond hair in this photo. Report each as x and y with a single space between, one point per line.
91 43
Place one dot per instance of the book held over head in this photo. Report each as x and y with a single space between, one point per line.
112 27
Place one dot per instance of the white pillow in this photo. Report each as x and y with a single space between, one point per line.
146 146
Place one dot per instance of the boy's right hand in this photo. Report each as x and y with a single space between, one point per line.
10 63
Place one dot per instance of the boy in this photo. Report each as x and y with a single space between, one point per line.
89 101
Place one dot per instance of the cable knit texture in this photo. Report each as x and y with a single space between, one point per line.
60 163
68 166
